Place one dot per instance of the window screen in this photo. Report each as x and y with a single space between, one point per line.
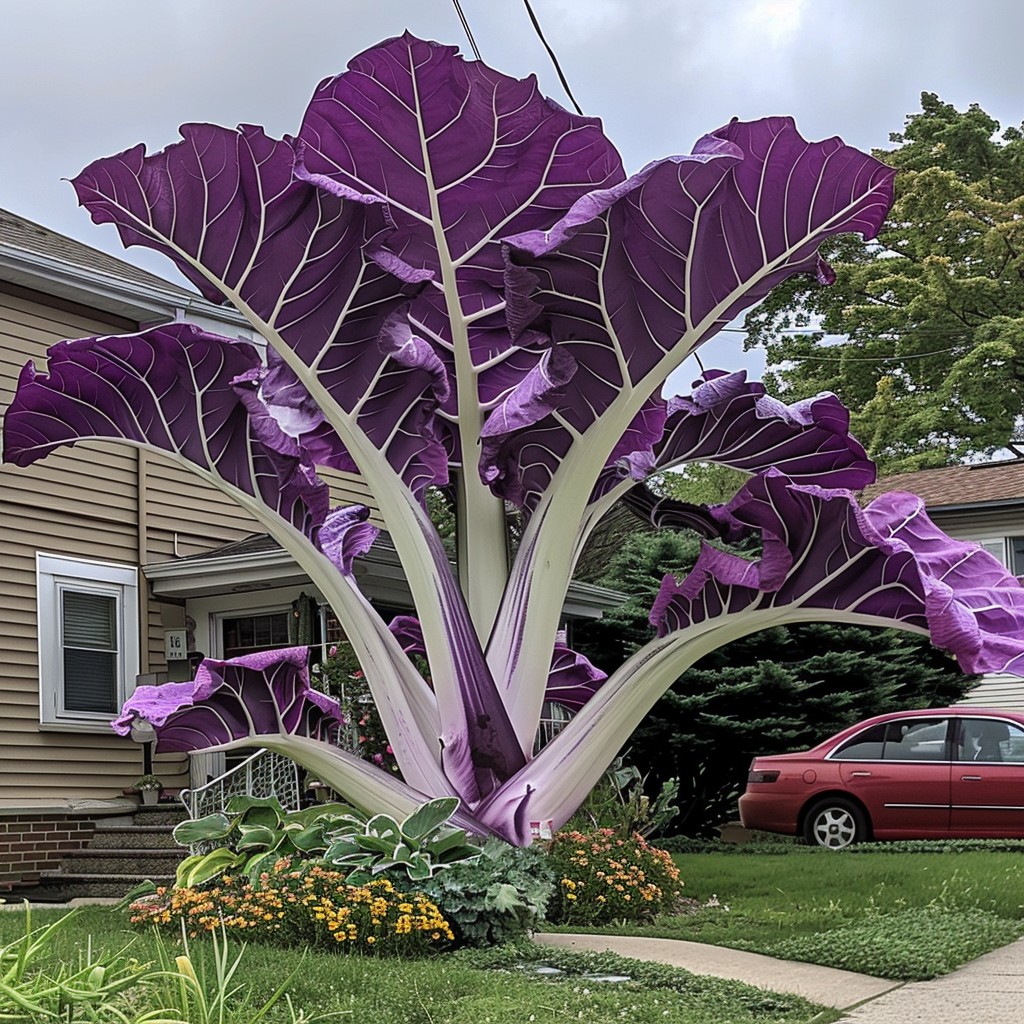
89 646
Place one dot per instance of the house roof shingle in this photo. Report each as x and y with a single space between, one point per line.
978 484
19 233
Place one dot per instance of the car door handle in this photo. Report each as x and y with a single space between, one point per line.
859 775
970 778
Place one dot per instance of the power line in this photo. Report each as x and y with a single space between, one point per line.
868 359
551 54
466 28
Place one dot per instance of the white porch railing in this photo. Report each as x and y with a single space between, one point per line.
264 774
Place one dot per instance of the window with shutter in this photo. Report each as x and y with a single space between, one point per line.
89 644
88 640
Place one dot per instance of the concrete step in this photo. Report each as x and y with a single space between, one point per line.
133 837
142 863
56 887
160 814
123 852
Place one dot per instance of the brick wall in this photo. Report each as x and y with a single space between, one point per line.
31 843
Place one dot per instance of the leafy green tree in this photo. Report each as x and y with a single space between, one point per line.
932 313
782 689
702 483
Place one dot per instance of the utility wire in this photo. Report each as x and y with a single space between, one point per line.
551 54
466 28
868 359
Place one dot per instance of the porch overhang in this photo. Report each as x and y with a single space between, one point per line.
379 573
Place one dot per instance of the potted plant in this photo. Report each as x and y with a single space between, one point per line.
149 787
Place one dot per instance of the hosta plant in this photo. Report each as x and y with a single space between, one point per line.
456 284
411 850
251 834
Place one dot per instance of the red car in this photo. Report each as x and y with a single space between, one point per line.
941 773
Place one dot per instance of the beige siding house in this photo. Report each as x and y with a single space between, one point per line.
983 503
81 523
106 537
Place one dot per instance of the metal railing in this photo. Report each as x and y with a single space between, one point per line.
263 774
267 773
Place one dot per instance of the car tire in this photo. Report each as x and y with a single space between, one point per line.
835 823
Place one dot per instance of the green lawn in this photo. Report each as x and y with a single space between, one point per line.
485 987
885 912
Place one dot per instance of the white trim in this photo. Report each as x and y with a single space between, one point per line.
207 612
56 574
217 621
379 572
128 298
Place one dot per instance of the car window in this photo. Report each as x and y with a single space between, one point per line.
992 740
865 746
916 739
906 739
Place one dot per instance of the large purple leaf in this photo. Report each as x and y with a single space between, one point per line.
397 415
636 276
974 606
259 694
731 421
463 155
265 700
345 535
573 679
453 144
887 564
306 265
177 389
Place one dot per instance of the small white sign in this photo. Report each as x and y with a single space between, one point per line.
542 829
175 645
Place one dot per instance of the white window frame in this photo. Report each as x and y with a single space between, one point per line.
218 619
56 574
1000 546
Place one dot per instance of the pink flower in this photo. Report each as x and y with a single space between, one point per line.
357 674
333 650
389 750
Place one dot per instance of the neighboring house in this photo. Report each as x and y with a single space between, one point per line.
984 503
113 558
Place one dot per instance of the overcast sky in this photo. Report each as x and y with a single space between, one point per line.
80 79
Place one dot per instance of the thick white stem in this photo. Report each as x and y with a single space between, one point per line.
482 546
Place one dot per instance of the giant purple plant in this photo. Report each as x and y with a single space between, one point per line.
458 284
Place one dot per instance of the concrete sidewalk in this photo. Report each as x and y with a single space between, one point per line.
989 990
824 985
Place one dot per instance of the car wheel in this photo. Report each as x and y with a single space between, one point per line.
835 824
